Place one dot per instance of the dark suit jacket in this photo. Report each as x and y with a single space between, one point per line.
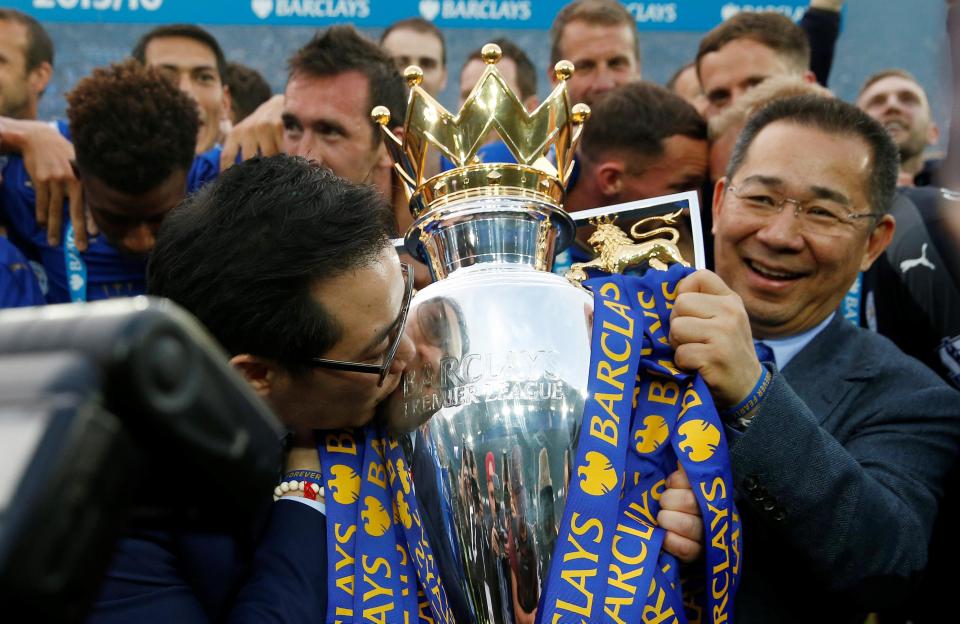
838 477
190 577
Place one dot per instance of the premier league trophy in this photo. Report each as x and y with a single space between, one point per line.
498 388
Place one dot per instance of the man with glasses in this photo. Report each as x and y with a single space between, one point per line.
292 271
305 290
839 443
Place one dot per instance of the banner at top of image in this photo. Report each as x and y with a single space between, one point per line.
679 15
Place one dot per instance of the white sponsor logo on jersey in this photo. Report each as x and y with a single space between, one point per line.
906 265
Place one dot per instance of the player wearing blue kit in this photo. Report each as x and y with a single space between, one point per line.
134 134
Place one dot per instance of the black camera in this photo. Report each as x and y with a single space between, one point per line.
111 413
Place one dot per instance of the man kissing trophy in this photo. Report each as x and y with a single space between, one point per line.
544 418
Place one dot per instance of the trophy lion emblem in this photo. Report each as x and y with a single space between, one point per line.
617 252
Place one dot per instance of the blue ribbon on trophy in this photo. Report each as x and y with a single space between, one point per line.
643 416
576 583
380 567
340 459
378 589
411 520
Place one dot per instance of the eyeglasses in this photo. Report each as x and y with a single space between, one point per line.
396 332
821 216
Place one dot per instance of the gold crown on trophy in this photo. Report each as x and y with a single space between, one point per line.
491 105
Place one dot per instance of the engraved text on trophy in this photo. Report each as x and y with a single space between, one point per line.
482 378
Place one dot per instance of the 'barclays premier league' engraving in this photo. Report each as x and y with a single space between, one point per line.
484 377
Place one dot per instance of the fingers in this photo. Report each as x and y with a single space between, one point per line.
41 193
249 142
680 501
54 213
269 139
684 549
708 319
694 356
691 330
678 496
250 146
48 158
678 480
92 228
77 214
700 305
703 281
710 333
680 516
228 155
727 307
260 133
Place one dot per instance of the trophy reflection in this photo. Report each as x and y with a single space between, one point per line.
496 391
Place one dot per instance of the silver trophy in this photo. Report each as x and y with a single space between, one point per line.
497 391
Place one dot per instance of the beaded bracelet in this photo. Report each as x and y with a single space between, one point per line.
311 491
310 482
738 413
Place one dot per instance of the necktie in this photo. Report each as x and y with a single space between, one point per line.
764 353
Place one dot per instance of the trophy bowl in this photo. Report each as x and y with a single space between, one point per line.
499 384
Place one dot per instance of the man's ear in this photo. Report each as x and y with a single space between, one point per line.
718 190
809 76
608 176
879 238
39 78
264 376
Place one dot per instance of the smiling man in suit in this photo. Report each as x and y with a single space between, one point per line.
839 442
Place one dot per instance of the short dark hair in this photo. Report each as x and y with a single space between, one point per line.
243 254
39 46
420 25
188 31
774 30
834 117
526 72
886 73
637 117
131 127
248 90
599 12
341 49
